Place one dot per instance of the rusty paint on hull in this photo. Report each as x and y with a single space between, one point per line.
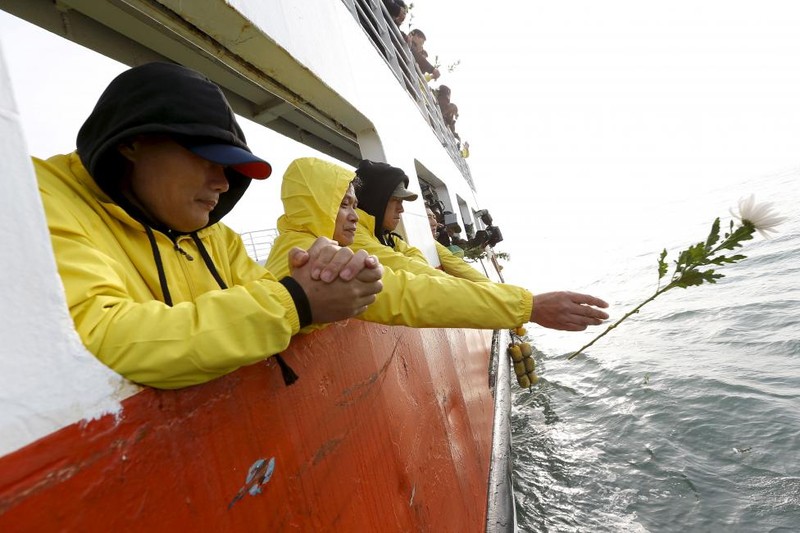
387 429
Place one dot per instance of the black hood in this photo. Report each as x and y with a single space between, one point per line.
378 182
158 98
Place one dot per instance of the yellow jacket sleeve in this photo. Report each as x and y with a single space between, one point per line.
455 266
418 295
409 251
424 301
365 240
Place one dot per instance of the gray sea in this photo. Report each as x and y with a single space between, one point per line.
687 416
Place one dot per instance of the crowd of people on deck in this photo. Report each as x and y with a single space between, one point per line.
415 40
162 292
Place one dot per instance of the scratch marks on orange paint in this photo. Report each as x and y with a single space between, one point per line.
355 393
325 449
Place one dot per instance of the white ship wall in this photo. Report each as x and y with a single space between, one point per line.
47 378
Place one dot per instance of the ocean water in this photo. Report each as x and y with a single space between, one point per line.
686 418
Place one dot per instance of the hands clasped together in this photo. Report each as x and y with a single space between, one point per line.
338 282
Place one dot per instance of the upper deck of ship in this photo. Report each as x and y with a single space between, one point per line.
335 76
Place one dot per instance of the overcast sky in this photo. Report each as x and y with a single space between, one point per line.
588 118
599 115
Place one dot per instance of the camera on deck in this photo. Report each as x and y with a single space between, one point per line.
489 236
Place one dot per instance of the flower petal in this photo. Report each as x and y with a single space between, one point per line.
762 216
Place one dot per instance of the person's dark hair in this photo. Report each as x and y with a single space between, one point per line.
392 8
395 7
417 33
376 183
443 96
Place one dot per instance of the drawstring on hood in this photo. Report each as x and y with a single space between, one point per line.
378 182
207 260
162 276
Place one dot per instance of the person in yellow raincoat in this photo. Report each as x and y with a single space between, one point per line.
318 201
451 263
159 290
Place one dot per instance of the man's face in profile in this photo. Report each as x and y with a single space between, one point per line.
391 217
171 184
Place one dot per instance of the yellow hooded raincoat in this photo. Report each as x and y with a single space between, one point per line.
114 295
414 293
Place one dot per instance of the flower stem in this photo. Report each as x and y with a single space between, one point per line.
687 271
618 322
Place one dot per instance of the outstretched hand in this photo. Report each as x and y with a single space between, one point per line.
338 283
569 311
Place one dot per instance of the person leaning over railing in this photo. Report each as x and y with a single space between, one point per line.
450 115
160 290
416 42
319 201
398 11
451 263
443 94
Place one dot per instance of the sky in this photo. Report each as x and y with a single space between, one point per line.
594 122
604 118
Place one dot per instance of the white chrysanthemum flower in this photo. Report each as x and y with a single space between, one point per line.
761 216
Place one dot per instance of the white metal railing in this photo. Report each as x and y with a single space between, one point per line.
386 37
259 243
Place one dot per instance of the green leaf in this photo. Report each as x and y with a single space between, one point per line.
662 265
713 237
742 233
688 279
690 256
724 260
697 277
696 254
683 258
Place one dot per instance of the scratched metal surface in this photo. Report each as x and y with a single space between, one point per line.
388 428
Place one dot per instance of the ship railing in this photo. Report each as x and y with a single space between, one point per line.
387 39
500 511
259 243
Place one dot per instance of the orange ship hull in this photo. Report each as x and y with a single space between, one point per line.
387 429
